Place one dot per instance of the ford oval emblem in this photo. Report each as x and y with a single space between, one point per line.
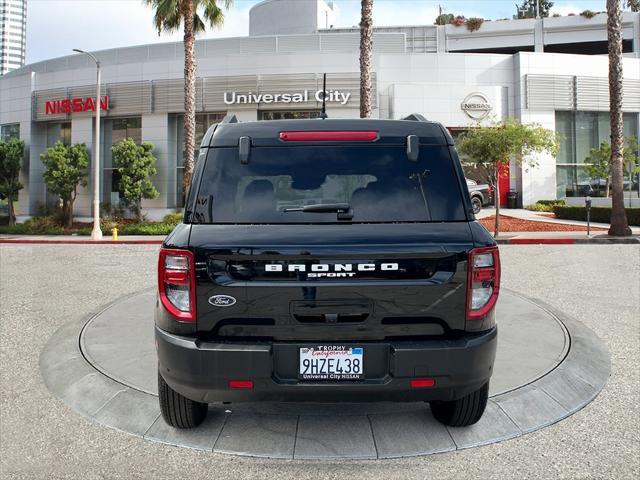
222 301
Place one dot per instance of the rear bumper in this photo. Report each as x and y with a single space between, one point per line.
201 370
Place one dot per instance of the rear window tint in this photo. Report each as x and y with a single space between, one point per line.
378 182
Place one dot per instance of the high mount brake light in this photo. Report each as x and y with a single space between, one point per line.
483 281
177 283
336 135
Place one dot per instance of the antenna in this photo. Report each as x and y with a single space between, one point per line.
323 114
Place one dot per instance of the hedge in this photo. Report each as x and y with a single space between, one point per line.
551 202
48 225
598 214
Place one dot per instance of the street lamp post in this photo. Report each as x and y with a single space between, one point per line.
96 233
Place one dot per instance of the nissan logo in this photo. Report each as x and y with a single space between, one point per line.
476 105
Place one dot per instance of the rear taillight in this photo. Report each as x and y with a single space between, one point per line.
483 281
176 283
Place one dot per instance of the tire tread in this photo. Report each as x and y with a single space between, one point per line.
463 411
177 410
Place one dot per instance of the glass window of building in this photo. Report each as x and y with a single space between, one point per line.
123 128
120 129
203 122
579 133
287 114
7 132
59 131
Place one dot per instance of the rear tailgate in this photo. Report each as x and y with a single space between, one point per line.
296 283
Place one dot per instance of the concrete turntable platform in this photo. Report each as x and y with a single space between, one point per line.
548 366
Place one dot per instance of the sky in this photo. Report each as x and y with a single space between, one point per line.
55 27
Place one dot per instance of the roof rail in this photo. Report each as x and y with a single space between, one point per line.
415 117
229 119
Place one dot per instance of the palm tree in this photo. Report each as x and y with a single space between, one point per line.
619 225
169 16
366 46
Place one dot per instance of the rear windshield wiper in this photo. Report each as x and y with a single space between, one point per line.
342 209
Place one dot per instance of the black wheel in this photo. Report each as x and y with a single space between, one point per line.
464 411
179 411
476 204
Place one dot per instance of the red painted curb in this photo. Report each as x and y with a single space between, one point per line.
542 241
81 242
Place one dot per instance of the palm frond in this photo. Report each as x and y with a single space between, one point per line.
198 24
213 13
166 14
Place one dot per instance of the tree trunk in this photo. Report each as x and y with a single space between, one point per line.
189 94
606 189
12 214
619 225
366 46
496 200
67 208
139 210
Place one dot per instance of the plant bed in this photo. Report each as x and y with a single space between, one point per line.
48 226
510 224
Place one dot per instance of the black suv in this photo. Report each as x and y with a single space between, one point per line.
327 260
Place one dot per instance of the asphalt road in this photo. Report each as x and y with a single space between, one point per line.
43 287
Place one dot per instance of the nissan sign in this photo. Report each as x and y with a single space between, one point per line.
74 105
476 105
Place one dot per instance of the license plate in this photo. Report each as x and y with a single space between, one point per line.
331 362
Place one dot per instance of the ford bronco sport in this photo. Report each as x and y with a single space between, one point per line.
327 260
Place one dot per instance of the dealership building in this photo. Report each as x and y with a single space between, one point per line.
551 71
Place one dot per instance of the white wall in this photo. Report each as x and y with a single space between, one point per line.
540 182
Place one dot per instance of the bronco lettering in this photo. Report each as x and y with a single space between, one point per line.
331 267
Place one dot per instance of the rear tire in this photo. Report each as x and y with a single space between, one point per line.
476 204
464 411
177 410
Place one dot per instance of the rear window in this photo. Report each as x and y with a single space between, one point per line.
378 183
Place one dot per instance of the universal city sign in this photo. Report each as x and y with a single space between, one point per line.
332 96
74 105
476 105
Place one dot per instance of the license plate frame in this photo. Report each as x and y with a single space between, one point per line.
331 363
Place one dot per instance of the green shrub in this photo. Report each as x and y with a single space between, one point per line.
544 205
551 202
147 229
107 224
48 225
539 207
174 218
598 214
